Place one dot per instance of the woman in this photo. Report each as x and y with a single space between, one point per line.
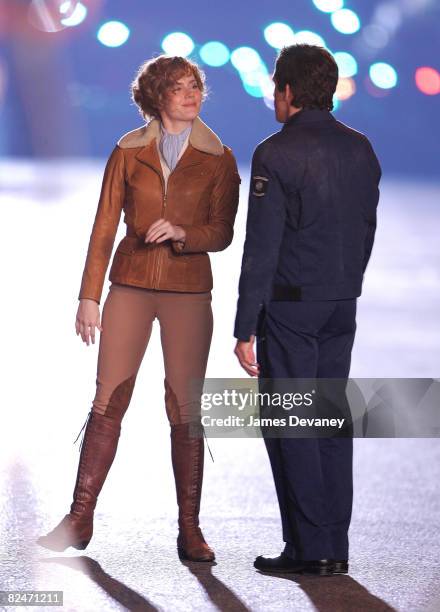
178 186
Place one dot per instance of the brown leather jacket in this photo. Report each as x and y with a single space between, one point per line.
201 195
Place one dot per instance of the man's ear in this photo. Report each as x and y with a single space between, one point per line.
288 94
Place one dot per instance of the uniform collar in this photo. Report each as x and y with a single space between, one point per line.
307 115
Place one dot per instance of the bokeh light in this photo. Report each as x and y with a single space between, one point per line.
267 86
55 15
346 63
245 59
65 7
375 36
389 15
214 54
345 21
113 34
376 92
178 43
269 102
309 38
383 75
253 72
328 6
258 84
253 90
76 17
345 89
278 35
428 80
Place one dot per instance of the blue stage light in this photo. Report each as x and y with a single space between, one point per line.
383 75
258 77
328 6
254 74
113 34
253 90
345 21
309 38
178 43
215 53
347 65
375 36
278 35
77 16
245 59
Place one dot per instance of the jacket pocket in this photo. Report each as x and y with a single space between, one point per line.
120 268
175 269
199 270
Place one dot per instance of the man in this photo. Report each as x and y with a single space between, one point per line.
309 235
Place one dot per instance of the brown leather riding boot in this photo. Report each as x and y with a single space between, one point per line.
187 455
97 453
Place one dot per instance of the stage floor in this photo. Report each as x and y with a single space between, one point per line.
131 563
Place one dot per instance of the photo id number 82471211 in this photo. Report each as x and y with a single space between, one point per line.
31 598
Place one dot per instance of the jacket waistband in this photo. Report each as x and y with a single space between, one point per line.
288 293
310 293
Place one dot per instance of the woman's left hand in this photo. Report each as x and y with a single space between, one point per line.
162 230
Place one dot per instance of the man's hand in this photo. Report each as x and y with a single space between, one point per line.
162 230
87 318
246 356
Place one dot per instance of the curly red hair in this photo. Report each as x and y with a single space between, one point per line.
156 76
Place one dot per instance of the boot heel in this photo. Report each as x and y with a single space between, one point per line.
81 545
182 554
322 571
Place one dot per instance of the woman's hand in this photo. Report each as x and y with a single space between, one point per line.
87 318
162 230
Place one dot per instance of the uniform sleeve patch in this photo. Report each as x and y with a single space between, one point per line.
259 185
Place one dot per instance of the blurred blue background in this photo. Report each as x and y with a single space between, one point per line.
66 68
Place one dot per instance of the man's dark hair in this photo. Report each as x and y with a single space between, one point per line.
311 72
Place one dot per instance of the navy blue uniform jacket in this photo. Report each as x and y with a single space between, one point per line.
311 217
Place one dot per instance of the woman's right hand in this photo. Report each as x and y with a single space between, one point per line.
87 318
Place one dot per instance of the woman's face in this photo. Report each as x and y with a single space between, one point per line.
183 100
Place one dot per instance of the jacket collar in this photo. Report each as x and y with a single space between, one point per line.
202 141
201 137
307 115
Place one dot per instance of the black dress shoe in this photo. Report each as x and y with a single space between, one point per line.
285 564
321 567
341 567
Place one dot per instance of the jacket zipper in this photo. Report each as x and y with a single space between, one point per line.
156 274
158 256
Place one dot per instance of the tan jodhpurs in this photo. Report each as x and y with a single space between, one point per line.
186 325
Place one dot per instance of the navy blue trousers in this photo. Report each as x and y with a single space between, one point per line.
313 476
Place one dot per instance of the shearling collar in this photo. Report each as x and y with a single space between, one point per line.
201 137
